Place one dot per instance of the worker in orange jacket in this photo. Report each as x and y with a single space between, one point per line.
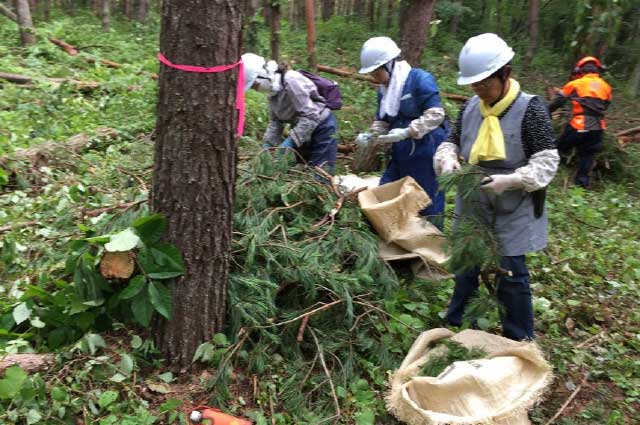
590 96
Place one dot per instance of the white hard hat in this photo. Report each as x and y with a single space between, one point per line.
481 56
252 65
376 52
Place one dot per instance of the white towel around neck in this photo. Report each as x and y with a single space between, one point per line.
390 102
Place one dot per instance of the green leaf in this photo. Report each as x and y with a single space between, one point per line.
136 342
21 313
59 394
573 303
135 286
161 261
150 228
37 323
107 398
33 416
142 308
166 377
126 364
220 339
160 298
123 241
118 377
12 383
170 405
365 418
94 341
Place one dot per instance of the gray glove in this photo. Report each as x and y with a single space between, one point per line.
395 135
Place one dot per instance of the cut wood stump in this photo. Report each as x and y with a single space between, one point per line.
117 265
28 362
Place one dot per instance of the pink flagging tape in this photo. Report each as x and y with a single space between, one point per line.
240 105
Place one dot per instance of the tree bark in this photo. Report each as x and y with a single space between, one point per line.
105 15
416 16
390 13
311 33
25 23
143 10
371 13
328 7
274 25
455 21
195 165
534 19
8 13
46 11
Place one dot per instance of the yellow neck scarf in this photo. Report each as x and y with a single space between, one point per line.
489 144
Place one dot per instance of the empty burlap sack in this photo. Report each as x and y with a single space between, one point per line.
496 390
393 210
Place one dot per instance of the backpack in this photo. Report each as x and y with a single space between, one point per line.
328 89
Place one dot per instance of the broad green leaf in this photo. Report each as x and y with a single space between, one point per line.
94 341
160 298
150 228
142 308
21 313
12 383
161 261
89 284
220 339
107 398
123 241
33 416
118 377
136 342
170 405
37 323
365 418
160 388
135 286
59 394
166 377
126 364
99 239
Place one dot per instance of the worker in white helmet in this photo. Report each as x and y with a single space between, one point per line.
294 100
410 115
507 133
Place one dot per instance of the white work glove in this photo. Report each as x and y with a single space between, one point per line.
498 183
395 135
364 139
448 166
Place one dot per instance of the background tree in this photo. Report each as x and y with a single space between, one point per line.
328 6
534 10
195 165
23 14
414 28
273 17
105 13
311 33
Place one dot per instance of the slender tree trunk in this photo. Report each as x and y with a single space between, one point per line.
195 165
46 11
371 13
311 33
359 8
534 19
416 16
23 13
106 12
455 21
274 25
328 7
390 13
143 10
4 10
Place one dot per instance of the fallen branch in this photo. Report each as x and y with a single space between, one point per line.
72 51
326 371
4 10
25 79
28 362
628 131
351 74
11 227
569 400
590 340
125 207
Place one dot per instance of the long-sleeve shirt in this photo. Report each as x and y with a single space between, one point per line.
537 141
297 103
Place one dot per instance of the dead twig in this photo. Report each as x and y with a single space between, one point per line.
326 371
303 326
302 316
590 340
569 400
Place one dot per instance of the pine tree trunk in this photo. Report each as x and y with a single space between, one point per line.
23 13
371 13
534 19
327 9
105 15
390 13
634 80
274 25
195 165
455 22
359 8
311 33
416 16
143 10
46 11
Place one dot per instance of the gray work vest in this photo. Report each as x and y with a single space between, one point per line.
510 214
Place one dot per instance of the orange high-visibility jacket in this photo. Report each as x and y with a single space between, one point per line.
590 96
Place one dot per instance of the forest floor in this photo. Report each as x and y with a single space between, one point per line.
585 284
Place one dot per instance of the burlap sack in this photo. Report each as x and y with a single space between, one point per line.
393 210
497 390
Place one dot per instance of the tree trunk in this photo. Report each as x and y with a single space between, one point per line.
455 21
105 15
371 13
128 8
311 33
416 16
274 25
327 9
46 11
390 13
143 10
25 23
359 8
534 19
195 165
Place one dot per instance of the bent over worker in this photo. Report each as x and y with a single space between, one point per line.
590 97
294 99
507 133
410 115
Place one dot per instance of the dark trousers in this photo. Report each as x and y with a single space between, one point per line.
322 149
514 294
587 145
